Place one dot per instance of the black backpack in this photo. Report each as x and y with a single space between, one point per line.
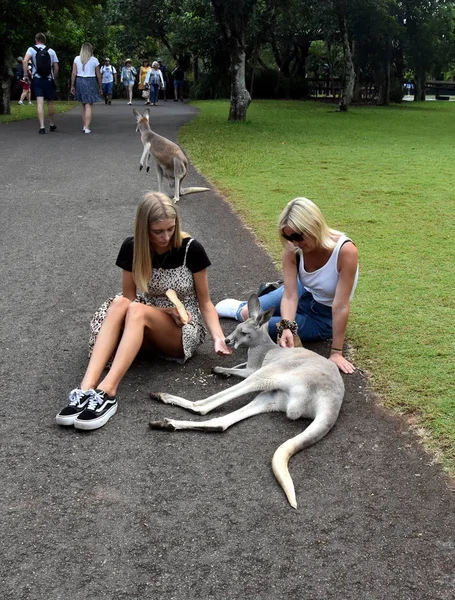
43 61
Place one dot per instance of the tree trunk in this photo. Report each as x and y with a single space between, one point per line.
240 97
420 82
6 59
348 89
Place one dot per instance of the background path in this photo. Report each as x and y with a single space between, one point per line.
125 512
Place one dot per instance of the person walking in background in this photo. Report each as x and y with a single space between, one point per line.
86 83
108 79
44 72
143 71
25 86
160 256
128 77
179 76
155 80
320 269
163 70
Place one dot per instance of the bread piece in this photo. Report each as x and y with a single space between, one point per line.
178 305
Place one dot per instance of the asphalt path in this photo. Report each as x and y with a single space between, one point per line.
126 512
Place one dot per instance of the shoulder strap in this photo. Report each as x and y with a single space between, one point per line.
186 250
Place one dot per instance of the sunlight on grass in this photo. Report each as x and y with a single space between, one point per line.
20 112
385 176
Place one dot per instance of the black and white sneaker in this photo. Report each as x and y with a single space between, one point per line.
99 410
77 402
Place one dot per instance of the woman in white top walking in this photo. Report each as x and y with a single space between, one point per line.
320 270
86 83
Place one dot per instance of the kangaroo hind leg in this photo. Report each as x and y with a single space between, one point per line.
264 402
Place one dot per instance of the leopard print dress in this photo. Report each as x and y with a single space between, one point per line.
179 279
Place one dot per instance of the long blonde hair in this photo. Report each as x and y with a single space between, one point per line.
304 216
154 206
86 53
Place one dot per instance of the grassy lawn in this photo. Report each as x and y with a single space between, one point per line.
20 112
386 177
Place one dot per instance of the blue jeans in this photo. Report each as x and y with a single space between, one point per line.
314 319
154 87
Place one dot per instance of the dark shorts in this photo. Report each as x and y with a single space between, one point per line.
178 85
44 88
107 88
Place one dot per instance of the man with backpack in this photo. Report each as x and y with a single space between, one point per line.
109 78
44 71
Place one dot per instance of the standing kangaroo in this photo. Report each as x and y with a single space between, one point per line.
296 381
169 158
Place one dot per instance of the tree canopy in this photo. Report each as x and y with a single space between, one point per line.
242 48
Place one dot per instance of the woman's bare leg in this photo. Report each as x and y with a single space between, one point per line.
88 115
142 321
106 341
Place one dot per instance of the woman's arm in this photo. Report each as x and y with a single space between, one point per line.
209 313
73 78
128 285
288 307
347 268
98 76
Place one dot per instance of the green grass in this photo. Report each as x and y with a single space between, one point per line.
386 177
20 112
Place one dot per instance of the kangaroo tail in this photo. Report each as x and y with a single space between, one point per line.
193 190
312 434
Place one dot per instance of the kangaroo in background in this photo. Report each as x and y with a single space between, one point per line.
170 159
296 381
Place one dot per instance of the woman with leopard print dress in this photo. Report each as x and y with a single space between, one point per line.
158 258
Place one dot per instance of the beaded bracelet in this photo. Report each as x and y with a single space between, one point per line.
285 324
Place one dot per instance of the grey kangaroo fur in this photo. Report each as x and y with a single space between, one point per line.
170 159
296 381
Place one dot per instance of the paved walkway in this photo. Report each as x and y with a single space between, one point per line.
128 513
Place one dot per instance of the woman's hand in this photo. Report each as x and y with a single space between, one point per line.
177 319
73 90
222 348
344 365
286 339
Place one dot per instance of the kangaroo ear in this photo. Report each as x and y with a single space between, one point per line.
264 317
137 114
147 113
254 308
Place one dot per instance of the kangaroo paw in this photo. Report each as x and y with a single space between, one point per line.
223 374
148 169
155 396
175 200
141 167
164 424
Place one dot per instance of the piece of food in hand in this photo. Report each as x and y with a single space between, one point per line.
178 305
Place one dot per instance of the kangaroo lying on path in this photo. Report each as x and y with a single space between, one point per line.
296 381
169 158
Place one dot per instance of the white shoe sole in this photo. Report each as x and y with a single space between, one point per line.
96 423
66 420
228 308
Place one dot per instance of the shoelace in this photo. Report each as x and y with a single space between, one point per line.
75 396
95 400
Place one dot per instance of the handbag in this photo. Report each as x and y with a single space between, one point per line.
145 94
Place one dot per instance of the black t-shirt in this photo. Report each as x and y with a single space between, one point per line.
196 259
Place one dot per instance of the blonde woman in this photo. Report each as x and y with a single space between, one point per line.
159 257
320 270
86 83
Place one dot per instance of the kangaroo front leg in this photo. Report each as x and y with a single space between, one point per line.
144 157
265 402
239 370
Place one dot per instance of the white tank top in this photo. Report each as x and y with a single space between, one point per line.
322 283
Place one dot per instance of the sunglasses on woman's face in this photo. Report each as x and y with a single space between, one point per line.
294 237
